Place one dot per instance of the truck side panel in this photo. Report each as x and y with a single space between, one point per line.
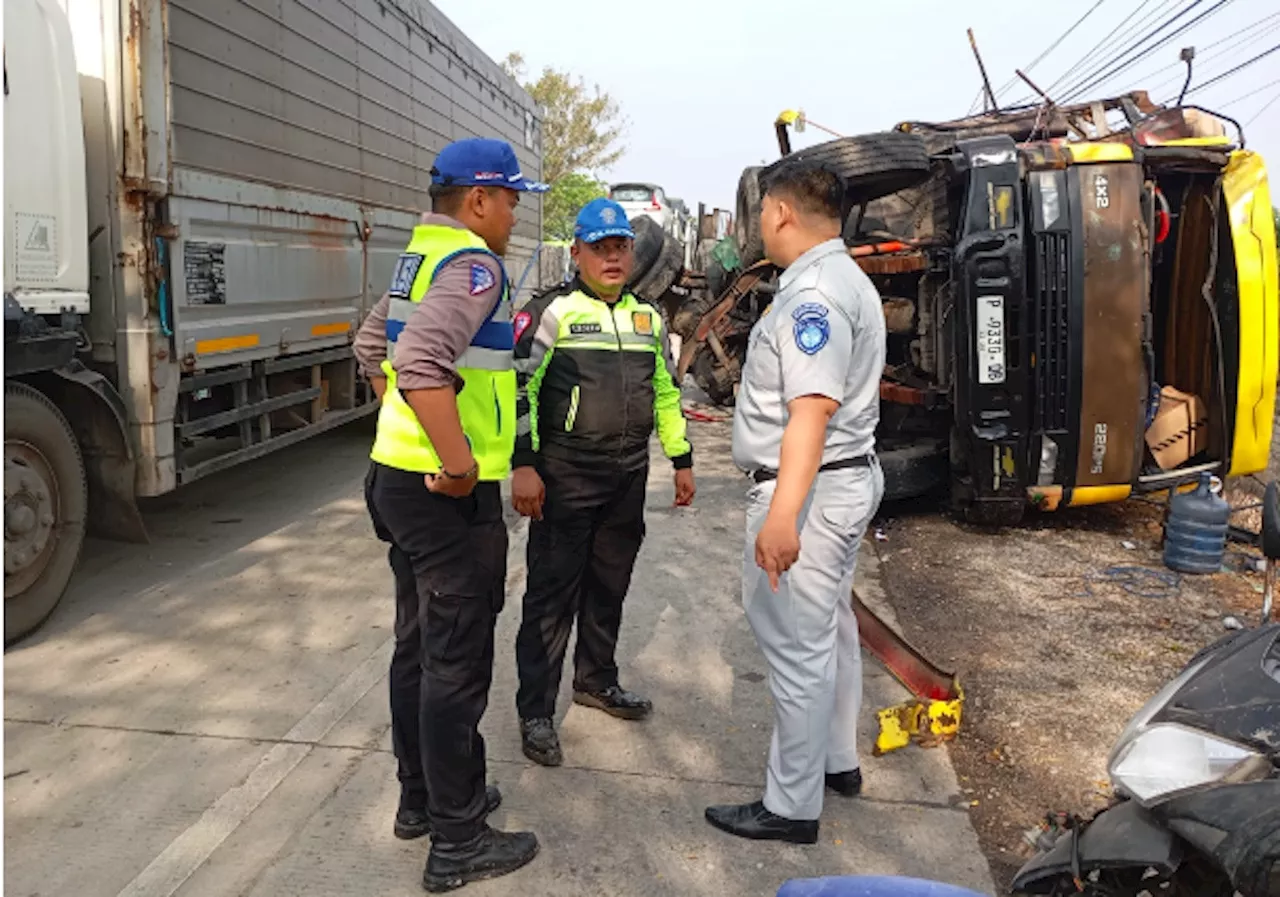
264 165
344 98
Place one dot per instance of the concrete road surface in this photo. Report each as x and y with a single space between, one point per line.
207 715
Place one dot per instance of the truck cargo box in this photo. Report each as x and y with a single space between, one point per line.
254 168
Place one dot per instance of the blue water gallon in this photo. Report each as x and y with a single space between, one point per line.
1195 535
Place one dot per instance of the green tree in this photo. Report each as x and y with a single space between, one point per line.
567 195
582 130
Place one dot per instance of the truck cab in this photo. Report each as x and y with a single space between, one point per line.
1116 320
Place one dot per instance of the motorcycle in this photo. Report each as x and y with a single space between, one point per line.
1197 777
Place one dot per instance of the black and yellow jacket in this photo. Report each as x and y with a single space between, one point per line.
593 381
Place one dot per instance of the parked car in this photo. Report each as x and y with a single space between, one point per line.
649 200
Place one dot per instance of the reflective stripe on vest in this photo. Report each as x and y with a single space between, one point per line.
486 404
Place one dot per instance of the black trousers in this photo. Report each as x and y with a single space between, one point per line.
449 557
580 559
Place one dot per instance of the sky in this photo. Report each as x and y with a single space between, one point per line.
700 82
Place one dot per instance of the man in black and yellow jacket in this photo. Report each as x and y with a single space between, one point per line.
594 379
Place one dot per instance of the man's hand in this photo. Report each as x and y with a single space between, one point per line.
453 487
685 489
528 492
777 547
379 385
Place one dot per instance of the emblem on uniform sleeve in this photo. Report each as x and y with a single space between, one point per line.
482 279
641 321
811 328
521 323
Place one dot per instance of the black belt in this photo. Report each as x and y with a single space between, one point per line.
764 474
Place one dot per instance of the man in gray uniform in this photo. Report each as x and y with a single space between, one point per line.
804 431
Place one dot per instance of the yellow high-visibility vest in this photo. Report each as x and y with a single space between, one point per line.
487 402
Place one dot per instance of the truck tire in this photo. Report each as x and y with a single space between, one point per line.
746 217
913 471
648 246
664 272
717 278
715 380
872 165
45 508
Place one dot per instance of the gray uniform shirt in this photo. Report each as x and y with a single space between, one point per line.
824 335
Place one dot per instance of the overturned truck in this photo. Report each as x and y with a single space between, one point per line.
1081 302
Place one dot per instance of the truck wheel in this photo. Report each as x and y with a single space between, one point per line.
912 471
746 217
872 165
715 379
45 507
648 245
663 272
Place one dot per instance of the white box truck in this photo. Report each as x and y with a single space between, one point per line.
202 198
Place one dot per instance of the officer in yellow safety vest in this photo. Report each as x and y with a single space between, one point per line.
438 350
595 379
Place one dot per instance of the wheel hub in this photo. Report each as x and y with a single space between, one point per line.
30 515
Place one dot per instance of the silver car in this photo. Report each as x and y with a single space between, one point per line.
645 199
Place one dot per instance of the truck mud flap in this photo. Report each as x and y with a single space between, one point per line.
97 415
933 716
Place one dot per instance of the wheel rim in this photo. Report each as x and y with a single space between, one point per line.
31 509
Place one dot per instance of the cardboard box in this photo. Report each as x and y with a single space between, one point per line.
1180 430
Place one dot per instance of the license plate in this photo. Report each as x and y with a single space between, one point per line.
990 342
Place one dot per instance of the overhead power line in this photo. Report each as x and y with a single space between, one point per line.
1014 81
1265 107
1137 52
1112 38
1232 71
1243 97
1274 19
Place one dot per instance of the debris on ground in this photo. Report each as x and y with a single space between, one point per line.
1060 633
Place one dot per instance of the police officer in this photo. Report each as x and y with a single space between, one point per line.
804 431
443 445
595 377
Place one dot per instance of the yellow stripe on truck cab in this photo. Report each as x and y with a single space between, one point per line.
1253 237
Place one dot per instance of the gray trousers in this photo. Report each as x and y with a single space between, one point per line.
809 636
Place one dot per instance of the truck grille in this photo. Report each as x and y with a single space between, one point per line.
1052 373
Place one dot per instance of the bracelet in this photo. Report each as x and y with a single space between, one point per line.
472 471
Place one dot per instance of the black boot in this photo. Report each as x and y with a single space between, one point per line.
492 853
415 823
755 822
540 742
615 701
846 784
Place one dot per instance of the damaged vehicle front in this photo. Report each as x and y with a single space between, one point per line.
1081 302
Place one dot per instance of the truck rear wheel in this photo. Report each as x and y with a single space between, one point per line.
45 507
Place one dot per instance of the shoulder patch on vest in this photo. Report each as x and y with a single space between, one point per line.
405 274
482 279
521 323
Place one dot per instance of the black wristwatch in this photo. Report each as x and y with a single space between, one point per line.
472 471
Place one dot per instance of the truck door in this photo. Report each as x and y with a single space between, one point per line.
45 215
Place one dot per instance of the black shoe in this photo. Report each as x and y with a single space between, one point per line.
540 742
615 701
755 822
488 855
847 784
411 824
